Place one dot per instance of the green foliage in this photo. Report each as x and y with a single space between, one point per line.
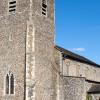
88 97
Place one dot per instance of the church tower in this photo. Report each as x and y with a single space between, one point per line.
39 50
26 50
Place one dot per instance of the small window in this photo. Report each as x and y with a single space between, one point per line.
9 84
44 7
12 84
12 6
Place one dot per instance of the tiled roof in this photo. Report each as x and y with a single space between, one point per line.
94 89
69 54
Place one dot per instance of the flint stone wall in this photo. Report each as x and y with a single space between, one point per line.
73 88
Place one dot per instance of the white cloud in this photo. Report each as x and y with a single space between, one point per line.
78 49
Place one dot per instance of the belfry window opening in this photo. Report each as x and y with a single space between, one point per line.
44 7
12 6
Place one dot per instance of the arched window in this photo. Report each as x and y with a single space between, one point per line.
9 84
12 84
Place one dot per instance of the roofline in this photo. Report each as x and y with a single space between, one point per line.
94 92
92 81
76 57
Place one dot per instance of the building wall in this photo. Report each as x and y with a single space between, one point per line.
88 85
68 88
13 27
73 88
40 74
27 44
72 84
78 69
58 70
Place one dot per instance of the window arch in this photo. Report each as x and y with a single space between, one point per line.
9 84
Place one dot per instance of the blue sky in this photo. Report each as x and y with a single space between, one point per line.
78 27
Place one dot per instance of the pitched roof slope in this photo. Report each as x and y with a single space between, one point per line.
75 56
94 89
